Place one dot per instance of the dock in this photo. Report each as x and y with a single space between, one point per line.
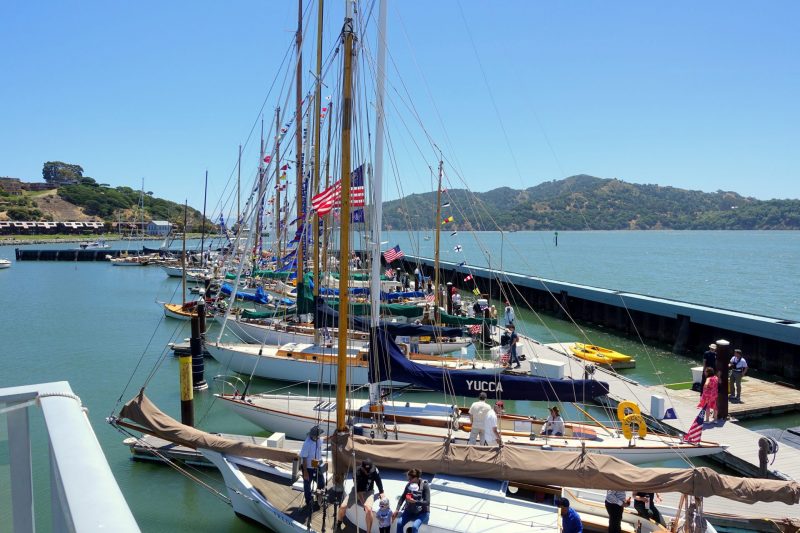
100 254
742 452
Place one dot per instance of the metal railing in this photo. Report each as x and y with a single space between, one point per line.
84 496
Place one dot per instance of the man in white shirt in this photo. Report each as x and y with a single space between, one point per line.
493 435
738 367
477 417
311 462
509 313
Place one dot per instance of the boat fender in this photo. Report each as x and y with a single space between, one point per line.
634 423
626 408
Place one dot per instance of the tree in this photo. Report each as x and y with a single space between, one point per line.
58 172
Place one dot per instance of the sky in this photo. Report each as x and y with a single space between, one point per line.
695 95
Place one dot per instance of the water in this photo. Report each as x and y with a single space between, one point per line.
102 329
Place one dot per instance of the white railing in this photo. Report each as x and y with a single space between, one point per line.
84 496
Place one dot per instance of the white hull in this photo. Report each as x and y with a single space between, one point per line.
249 502
437 348
192 274
294 416
5 263
246 359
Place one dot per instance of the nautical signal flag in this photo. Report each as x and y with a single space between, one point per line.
446 204
357 215
475 329
476 291
696 430
457 248
286 167
468 278
267 159
454 234
447 219
393 253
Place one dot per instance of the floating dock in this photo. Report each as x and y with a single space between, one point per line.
742 452
24 254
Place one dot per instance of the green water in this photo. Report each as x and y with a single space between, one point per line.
102 329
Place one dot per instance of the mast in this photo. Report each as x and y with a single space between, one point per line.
314 222
438 223
344 241
259 201
203 227
324 259
298 117
277 198
238 189
183 254
377 181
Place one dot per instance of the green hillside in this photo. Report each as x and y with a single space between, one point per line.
587 203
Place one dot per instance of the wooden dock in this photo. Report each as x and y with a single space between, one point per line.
742 452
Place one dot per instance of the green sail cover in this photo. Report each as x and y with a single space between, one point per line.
269 274
272 313
363 309
358 277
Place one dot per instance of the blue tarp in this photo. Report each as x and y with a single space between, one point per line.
259 297
387 362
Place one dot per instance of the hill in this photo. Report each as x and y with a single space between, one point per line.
588 203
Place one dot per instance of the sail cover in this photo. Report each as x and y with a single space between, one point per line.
565 469
388 363
326 316
145 413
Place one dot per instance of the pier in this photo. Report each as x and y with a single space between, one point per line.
742 452
67 255
770 344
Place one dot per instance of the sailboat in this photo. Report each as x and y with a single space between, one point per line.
473 488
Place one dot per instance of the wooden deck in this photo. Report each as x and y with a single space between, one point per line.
742 452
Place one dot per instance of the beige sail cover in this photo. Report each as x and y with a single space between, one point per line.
567 469
144 412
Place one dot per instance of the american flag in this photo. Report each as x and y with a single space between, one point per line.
696 430
475 329
389 272
430 297
332 196
393 253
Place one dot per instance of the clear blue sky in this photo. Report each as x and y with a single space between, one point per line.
697 95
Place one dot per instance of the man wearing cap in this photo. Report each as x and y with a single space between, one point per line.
709 360
738 367
513 339
477 418
311 462
492 432
367 477
570 521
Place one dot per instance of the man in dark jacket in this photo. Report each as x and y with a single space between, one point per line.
417 500
367 477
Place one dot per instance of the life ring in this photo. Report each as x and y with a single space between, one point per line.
627 408
628 424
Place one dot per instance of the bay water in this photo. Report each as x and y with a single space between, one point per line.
102 329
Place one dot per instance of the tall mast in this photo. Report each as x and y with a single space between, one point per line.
377 181
299 142
183 253
259 201
344 240
277 206
324 259
314 221
436 245
203 226
238 189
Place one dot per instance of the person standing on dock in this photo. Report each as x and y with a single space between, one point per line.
738 366
477 419
311 459
615 503
509 313
709 361
708 400
513 339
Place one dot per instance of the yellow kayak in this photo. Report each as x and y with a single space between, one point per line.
589 355
610 355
